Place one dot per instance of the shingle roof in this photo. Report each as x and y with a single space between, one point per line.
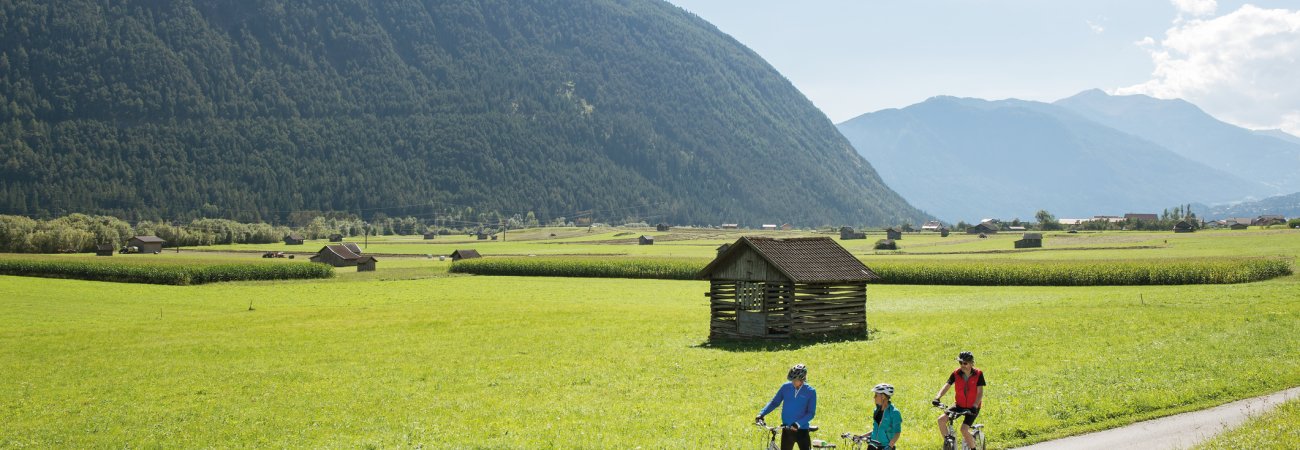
466 254
802 260
149 239
352 247
1038 236
340 251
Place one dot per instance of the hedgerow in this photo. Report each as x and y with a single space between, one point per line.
942 272
161 273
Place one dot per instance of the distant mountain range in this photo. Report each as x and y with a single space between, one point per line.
1286 205
1090 154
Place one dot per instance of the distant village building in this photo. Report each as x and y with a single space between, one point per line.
1030 240
1142 217
1108 219
146 244
293 239
336 255
786 227
104 250
646 240
662 227
933 225
769 227
731 226
886 244
1267 220
336 237
1071 222
847 233
893 233
1183 226
766 288
1238 226
1015 228
464 254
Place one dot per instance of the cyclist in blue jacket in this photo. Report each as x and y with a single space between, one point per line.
798 402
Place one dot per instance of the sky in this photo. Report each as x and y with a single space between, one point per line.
1237 60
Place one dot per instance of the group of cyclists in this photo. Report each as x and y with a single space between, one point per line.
798 402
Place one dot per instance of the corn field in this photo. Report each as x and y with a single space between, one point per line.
943 272
161 273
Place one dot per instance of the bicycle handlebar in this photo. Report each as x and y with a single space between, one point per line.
763 424
948 409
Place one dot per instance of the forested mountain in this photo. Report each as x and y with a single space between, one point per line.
1187 130
1286 205
256 109
969 159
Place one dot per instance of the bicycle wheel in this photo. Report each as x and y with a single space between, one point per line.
949 444
979 440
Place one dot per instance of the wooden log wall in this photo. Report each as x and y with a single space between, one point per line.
823 308
777 298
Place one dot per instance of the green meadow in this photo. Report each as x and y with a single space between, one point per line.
411 355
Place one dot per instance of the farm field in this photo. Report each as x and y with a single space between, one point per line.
410 355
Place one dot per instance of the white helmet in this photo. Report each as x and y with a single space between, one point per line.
884 388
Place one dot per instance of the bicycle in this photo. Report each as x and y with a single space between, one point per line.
771 442
856 441
954 440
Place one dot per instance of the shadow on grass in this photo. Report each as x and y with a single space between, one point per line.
777 345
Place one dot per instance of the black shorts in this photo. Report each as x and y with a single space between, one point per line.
970 418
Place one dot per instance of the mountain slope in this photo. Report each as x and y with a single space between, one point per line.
1286 205
255 109
968 159
1187 130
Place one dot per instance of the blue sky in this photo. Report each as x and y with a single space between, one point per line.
1235 59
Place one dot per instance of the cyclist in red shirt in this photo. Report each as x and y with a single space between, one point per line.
969 389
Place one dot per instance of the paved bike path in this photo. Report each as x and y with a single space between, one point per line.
1174 432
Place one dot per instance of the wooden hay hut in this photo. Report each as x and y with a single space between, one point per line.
886 244
146 244
1183 226
769 288
892 233
1030 240
336 255
943 232
482 236
366 264
429 235
847 233
104 250
646 240
336 237
662 227
464 254
293 239
786 227
353 247
983 228
1238 226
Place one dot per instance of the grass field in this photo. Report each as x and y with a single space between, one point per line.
1275 430
411 355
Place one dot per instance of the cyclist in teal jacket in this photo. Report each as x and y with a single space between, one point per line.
886 422
798 402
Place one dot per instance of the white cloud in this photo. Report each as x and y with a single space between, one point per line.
1196 8
1096 27
1241 67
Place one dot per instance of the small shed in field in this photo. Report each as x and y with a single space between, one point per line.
464 254
1238 226
983 228
886 244
104 250
646 240
786 227
336 255
429 235
146 244
482 236
892 233
352 247
1030 240
943 232
769 288
847 233
1183 227
336 237
366 264
768 227
293 239
662 227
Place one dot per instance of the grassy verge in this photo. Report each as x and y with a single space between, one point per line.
1275 430
160 272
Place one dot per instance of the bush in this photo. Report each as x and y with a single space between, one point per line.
161 273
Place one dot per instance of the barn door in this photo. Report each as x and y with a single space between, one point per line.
751 311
